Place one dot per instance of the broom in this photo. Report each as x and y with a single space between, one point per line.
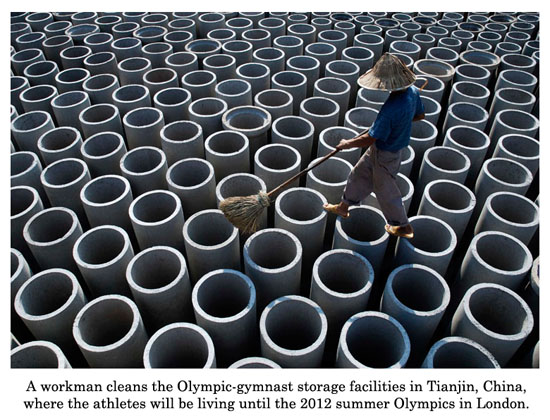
244 212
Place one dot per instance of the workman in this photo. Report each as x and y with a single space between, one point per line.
387 137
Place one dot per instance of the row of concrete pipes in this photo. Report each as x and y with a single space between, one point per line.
129 129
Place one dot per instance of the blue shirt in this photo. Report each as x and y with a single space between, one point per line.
392 128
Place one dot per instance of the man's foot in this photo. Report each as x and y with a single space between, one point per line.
336 209
403 231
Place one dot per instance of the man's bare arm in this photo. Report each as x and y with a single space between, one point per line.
418 117
364 140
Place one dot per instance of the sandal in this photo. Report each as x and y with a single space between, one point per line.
335 209
401 231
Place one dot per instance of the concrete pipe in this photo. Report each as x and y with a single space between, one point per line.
459 353
296 132
241 50
472 73
291 45
203 48
235 92
30 41
254 363
59 143
222 35
178 40
228 152
182 24
464 36
145 167
159 79
19 28
323 52
101 63
517 79
490 37
509 213
50 235
277 102
211 243
345 70
293 82
304 31
259 38
274 274
159 282
41 73
392 35
62 182
102 153
200 83
423 137
449 201
20 273
24 203
17 85
38 354
310 67
81 18
329 139
150 33
371 41
336 89
257 74
106 200
471 141
110 333
300 212
373 340
143 126
25 170
434 88
224 302
107 22
435 68
68 106
156 53
479 46
505 48
337 38
133 17
182 62
132 70
48 303
341 285
208 22
254 122
417 297
405 47
102 254
495 317
208 112
432 109
360 118
38 98
494 257
363 232
410 27
520 148
470 92
442 162
275 163
293 332
517 62
453 44
274 25
99 118
180 345
182 138
130 97
126 47
23 58
223 66
330 178
406 189
321 112
433 244
425 41
511 98
464 113
500 174
513 121
443 54
157 218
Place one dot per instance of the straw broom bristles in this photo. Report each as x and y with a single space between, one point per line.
244 212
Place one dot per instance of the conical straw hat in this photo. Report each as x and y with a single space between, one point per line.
389 73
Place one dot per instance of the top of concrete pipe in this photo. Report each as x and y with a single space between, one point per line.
250 120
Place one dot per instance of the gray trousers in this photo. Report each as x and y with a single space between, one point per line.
377 171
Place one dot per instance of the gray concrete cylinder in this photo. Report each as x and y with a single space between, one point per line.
126 47
208 112
520 148
291 45
132 70
102 254
472 73
274 58
432 109
25 170
25 57
458 353
41 73
310 67
407 160
228 152
336 89
193 181
334 37
235 92
182 62
100 88
259 38
323 52
203 48
222 35
277 102
59 143
38 354
182 138
222 65
513 121
408 48
273 274
99 118
294 83
200 83
224 302
517 62
470 92
241 50
27 128
24 203
511 98
329 139
157 218
62 182
434 89
275 163
159 79
211 243
130 97
416 296
106 200
464 113
363 232
517 79
68 106
142 127
330 178
254 363
371 98
38 98
303 31
296 132
209 21
276 26
360 119
159 282
257 74
145 167
509 213
110 333
180 345
433 244
423 136
373 340
321 112
102 153
495 317
157 52
293 332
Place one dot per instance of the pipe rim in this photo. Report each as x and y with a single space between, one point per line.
61 359
448 251
432 353
143 88
30 67
318 180
299 352
503 147
21 263
47 99
89 203
254 362
221 112
143 149
211 137
30 207
289 99
168 90
495 214
331 114
246 91
275 82
340 229
484 115
34 163
87 265
226 242
43 149
74 226
177 208
469 208
302 120
148 109
147 75
229 114
435 149
84 95
186 76
293 167
486 172
87 156
92 79
174 141
47 119
115 114
288 219
85 172
172 168
294 262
